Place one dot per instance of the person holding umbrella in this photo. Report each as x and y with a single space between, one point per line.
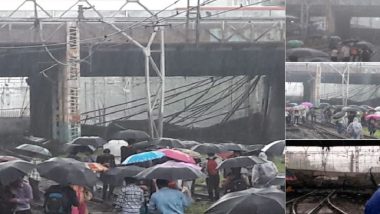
131 197
34 179
108 160
22 192
167 200
263 174
6 206
60 199
83 195
213 178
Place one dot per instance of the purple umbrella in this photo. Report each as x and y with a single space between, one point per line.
307 104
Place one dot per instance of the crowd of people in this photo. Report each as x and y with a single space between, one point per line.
348 52
135 196
348 122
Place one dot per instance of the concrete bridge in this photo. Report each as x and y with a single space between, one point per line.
338 13
45 53
313 75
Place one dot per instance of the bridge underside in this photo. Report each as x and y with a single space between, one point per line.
352 11
364 79
181 60
128 60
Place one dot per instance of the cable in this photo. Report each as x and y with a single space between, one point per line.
110 34
168 91
139 105
126 117
237 8
218 109
192 103
211 117
206 106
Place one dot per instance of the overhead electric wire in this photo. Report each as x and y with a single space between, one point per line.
204 108
208 105
168 91
242 100
139 105
216 110
106 35
211 117
192 103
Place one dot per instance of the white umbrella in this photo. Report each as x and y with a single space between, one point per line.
114 146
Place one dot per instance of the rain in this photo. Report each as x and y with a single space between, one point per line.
140 106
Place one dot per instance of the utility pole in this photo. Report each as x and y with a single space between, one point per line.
197 32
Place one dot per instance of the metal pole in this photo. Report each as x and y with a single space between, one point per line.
347 83
147 85
187 20
162 103
197 23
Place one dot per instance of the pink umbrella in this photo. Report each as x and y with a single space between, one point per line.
307 104
177 155
373 116
7 158
180 164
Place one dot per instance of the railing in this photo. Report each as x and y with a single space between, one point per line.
14 112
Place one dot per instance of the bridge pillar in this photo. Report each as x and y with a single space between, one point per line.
343 25
66 113
330 18
41 94
311 88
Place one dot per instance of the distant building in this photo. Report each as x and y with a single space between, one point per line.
245 2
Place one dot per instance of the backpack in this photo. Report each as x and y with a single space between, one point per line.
55 203
238 185
266 172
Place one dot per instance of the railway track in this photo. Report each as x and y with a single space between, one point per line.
313 203
324 130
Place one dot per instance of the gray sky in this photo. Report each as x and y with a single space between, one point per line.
99 4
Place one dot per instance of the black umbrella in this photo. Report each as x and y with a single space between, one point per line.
75 148
94 141
358 107
206 148
250 201
275 148
232 147
145 145
116 175
172 170
306 52
241 161
254 147
365 45
367 107
130 134
338 115
67 171
350 109
13 170
324 105
33 150
189 143
169 142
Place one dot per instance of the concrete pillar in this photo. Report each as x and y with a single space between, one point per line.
274 126
343 25
311 89
41 91
66 119
330 18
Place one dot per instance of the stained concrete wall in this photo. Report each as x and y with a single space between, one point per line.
101 92
13 126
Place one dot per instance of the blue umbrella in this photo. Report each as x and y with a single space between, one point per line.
144 156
